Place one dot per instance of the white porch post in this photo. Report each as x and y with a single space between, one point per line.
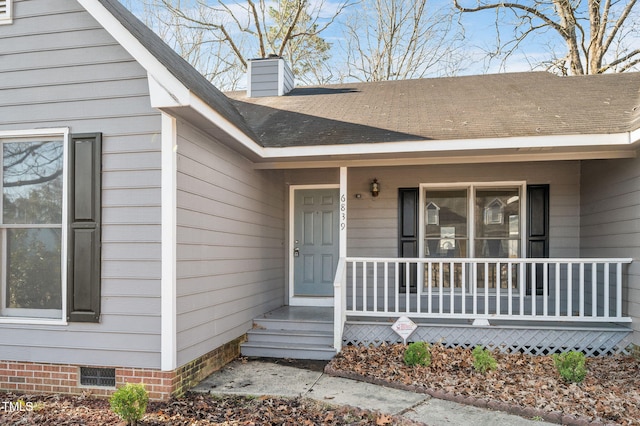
339 290
168 346
343 212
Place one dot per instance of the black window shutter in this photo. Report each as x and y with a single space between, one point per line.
83 271
537 231
408 235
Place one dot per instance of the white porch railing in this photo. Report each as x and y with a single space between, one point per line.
577 290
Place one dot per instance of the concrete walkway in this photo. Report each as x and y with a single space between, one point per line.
257 377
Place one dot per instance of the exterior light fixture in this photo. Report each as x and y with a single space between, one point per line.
375 188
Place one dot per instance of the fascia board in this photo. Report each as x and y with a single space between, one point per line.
166 97
452 159
634 136
523 143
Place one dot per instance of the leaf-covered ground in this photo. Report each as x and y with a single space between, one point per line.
609 394
192 410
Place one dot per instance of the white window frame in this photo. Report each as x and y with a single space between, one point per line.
28 135
471 188
6 17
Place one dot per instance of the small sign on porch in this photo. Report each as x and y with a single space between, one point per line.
404 327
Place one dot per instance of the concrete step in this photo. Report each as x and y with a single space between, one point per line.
286 324
293 351
307 337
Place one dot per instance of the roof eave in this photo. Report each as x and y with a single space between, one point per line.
525 148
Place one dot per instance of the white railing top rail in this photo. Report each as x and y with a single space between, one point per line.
489 260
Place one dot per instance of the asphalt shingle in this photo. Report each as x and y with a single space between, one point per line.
470 107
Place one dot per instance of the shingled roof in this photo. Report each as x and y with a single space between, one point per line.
471 107
440 109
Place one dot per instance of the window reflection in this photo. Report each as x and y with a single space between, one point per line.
31 230
32 182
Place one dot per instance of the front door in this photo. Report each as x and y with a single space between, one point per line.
315 241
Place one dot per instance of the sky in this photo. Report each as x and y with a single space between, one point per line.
480 36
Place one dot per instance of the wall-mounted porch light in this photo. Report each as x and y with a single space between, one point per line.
375 188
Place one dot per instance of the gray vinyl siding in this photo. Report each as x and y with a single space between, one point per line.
230 243
59 68
373 222
264 77
610 221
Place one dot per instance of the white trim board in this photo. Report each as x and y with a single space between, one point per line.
417 160
168 321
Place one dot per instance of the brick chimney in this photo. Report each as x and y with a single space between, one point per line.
269 77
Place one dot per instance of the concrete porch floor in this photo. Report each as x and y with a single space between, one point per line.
300 313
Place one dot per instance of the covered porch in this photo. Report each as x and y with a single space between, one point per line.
536 306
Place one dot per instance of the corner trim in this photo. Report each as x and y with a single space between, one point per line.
168 327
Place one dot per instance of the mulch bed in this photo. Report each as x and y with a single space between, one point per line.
192 410
522 384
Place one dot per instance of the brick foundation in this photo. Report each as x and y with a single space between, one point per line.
17 376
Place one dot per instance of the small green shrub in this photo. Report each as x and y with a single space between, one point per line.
130 402
571 366
417 353
483 361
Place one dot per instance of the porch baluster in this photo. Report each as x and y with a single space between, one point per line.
618 289
606 290
463 292
441 287
581 278
407 288
397 287
474 283
418 275
594 289
523 282
545 289
569 289
429 287
534 289
498 285
386 286
375 286
510 289
486 288
364 287
557 311
354 274
452 289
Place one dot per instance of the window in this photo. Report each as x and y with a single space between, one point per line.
497 217
471 221
31 231
50 225
6 14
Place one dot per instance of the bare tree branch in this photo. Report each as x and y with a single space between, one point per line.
588 29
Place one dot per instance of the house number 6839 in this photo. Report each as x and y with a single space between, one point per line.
343 212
